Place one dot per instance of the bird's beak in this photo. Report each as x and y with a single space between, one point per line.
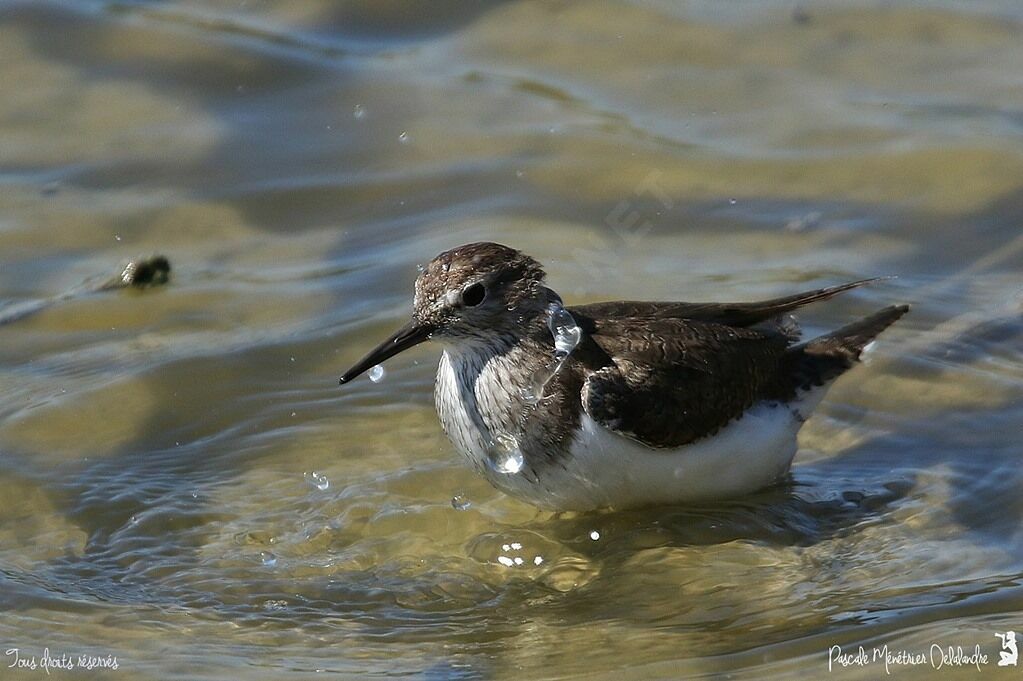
413 333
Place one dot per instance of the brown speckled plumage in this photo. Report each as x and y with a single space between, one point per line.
662 374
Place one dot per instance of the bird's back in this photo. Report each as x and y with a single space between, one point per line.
658 403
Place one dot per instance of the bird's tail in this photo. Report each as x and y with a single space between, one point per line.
820 360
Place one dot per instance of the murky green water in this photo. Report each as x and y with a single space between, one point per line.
297 160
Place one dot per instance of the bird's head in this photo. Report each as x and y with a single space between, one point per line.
475 293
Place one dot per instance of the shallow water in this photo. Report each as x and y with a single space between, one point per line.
185 486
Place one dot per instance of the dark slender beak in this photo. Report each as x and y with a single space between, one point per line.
413 333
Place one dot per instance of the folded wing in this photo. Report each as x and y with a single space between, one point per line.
673 373
673 381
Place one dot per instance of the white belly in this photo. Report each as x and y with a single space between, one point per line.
605 470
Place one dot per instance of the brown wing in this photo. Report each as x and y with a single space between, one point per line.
731 314
673 381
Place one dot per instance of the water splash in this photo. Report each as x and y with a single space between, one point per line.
317 480
513 555
566 332
504 455
377 373
268 559
567 335
532 393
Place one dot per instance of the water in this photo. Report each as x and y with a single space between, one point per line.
154 443
564 330
317 480
566 335
504 455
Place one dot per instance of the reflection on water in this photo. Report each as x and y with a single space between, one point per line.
187 488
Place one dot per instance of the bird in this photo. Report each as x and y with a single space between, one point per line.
617 405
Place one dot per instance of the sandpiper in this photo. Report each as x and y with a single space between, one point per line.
617 404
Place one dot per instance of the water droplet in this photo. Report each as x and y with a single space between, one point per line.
134 520
732 202
594 535
460 503
505 560
567 335
506 547
268 559
420 268
518 560
537 560
515 546
519 173
117 237
317 480
532 393
403 137
376 374
358 112
566 332
504 455
195 494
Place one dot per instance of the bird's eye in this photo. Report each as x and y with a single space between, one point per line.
473 295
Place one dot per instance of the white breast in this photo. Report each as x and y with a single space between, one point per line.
458 414
606 470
